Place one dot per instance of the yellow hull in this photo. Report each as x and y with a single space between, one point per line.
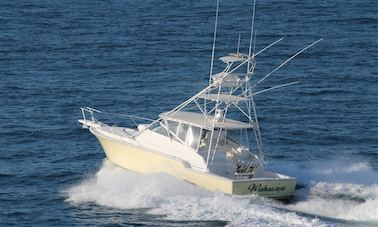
144 161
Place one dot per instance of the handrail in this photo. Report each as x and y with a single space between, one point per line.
113 130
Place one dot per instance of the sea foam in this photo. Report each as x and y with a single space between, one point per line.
178 200
338 190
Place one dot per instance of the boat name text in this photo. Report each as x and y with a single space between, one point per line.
264 188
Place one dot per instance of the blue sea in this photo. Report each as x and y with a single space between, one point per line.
145 57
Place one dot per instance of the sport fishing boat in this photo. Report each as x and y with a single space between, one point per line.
212 139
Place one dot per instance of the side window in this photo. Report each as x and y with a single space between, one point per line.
189 135
182 131
193 136
172 125
161 130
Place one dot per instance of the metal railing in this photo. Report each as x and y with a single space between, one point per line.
90 116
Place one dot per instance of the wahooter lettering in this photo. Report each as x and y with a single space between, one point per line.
264 188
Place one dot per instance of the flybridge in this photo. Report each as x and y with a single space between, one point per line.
205 121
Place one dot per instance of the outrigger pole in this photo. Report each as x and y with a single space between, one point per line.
251 103
275 87
284 63
251 37
258 135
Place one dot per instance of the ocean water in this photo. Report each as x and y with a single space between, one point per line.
145 57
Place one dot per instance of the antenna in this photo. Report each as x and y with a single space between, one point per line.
237 50
254 43
251 37
214 40
213 51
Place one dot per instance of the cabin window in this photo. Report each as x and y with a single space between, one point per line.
189 135
206 135
172 126
161 130
182 130
193 136
238 137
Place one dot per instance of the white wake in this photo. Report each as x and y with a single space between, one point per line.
336 189
330 189
178 200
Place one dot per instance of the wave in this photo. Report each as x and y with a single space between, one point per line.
336 190
344 201
179 200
